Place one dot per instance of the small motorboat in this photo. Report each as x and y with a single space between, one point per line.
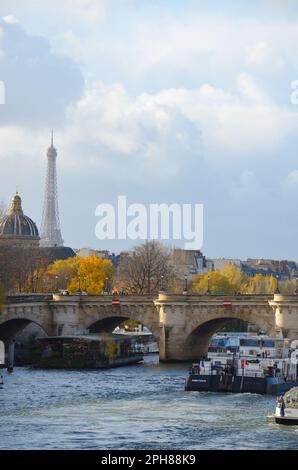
287 408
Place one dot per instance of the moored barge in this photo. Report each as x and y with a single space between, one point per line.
85 352
256 365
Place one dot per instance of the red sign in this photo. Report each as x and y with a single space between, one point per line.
115 302
227 303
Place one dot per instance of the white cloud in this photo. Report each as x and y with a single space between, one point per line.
174 107
233 127
150 52
10 19
161 129
18 142
266 55
292 179
91 12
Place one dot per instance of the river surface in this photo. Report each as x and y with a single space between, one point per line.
136 407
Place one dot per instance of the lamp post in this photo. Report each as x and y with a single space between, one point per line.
56 285
208 285
79 284
106 286
277 291
47 286
161 284
185 287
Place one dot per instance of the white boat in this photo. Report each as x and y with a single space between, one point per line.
244 363
287 408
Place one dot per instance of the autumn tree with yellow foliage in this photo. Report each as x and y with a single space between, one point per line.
259 284
231 280
78 273
91 275
217 283
235 276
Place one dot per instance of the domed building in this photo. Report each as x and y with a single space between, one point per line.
16 229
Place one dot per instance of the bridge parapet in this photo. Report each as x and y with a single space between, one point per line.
28 298
103 299
164 297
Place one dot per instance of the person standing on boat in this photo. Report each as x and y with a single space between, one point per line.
281 405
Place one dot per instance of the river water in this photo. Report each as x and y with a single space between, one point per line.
136 407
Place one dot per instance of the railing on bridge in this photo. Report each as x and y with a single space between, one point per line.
39 297
27 298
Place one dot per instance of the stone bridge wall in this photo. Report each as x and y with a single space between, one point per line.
182 324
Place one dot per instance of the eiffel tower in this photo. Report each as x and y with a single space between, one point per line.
50 232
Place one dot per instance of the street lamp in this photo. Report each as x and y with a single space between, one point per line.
106 285
208 285
79 283
161 284
185 287
277 291
56 285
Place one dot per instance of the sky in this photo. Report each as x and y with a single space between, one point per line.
162 101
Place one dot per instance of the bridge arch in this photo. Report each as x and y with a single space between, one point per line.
11 328
107 324
198 335
97 318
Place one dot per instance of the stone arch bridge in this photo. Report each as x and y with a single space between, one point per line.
182 324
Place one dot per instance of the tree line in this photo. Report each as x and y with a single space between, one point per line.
146 269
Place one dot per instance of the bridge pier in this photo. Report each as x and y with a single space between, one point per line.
188 322
285 308
172 328
66 315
